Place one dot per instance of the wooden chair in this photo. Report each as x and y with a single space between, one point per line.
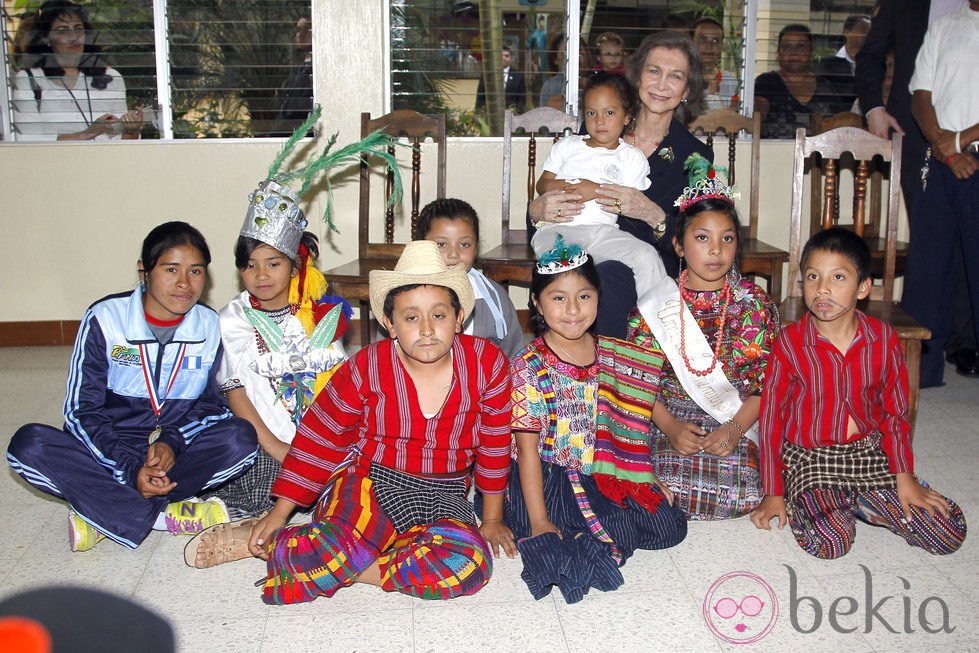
863 146
350 280
822 218
758 258
513 260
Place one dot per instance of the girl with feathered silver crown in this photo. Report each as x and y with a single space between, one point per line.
716 330
282 336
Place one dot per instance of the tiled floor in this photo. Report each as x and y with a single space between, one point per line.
659 607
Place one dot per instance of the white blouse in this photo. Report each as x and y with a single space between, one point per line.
61 110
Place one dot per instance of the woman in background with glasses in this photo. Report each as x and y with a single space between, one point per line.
66 91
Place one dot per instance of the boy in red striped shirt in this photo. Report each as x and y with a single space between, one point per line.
834 425
388 449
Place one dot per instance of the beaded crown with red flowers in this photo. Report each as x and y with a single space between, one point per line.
561 257
704 182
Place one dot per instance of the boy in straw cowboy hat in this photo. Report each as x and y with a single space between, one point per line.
387 449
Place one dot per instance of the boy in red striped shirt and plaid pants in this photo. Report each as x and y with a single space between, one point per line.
834 423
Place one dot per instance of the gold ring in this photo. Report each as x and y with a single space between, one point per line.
559 213
618 203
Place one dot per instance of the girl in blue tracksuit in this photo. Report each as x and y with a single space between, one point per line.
145 426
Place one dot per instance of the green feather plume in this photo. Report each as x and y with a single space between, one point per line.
698 167
375 144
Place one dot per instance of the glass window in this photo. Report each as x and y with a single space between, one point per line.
241 69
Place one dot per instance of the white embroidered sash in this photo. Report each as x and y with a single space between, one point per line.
663 308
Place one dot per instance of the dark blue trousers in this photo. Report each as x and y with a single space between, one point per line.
944 236
56 462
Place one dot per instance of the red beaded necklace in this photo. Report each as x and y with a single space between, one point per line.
689 297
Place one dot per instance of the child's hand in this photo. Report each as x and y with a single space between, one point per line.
498 534
687 438
584 188
667 492
160 456
543 526
912 493
153 482
771 506
264 530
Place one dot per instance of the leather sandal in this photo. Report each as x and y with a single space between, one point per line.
225 543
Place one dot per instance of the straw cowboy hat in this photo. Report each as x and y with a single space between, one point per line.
421 263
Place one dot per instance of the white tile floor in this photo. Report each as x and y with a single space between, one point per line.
659 607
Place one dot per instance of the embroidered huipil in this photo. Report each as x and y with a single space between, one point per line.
811 389
371 403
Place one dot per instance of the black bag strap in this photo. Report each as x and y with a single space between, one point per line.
36 88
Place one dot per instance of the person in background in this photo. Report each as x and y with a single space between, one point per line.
68 92
790 96
839 68
552 92
514 86
297 94
945 212
722 85
675 22
897 31
611 56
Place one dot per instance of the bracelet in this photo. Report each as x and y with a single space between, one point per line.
958 142
948 161
737 426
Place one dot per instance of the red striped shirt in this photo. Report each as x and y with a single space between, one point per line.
371 403
811 389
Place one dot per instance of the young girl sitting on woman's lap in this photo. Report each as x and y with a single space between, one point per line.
281 339
582 494
716 330
454 227
582 164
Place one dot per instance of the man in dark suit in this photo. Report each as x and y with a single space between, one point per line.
839 67
901 25
514 86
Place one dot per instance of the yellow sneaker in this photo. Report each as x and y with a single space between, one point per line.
192 516
82 536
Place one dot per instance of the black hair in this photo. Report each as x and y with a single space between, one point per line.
539 283
673 20
246 245
843 242
394 292
707 20
686 216
852 20
91 65
628 94
795 28
448 208
696 83
171 234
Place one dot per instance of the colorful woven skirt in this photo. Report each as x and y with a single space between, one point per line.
350 532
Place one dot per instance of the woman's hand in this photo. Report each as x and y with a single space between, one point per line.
686 437
498 535
720 442
132 122
630 203
555 206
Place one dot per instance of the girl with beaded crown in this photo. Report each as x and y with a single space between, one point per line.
582 495
716 330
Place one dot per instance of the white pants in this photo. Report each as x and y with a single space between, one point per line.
606 243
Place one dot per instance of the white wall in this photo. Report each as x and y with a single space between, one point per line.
74 214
